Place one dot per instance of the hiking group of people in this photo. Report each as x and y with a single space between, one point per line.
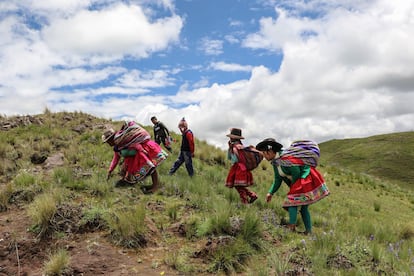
295 166
142 155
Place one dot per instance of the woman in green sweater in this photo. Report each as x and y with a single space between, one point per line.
306 184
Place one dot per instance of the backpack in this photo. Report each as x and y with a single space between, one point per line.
252 157
302 152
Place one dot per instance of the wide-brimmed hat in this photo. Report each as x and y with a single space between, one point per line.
235 133
107 135
269 144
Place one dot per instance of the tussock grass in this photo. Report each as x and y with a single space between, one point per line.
127 226
57 263
251 230
218 222
41 211
231 257
5 196
24 180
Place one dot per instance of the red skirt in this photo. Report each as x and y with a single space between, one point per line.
239 176
149 155
307 190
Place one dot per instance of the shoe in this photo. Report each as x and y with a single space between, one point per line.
122 183
292 227
147 190
252 199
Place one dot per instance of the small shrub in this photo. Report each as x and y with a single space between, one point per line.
57 263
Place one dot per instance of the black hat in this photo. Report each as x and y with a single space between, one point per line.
269 144
235 133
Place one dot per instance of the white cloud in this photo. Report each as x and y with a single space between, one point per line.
353 78
151 79
230 67
76 47
117 30
212 47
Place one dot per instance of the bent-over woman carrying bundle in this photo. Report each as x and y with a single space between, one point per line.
295 167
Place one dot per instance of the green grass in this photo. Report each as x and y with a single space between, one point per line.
388 157
364 227
57 263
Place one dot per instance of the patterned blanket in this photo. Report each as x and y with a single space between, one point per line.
302 152
130 134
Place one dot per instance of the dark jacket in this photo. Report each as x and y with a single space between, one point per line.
160 132
187 143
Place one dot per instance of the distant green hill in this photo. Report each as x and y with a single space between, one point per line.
389 156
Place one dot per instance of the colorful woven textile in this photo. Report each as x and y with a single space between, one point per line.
129 135
302 152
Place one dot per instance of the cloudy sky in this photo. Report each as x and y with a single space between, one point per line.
304 69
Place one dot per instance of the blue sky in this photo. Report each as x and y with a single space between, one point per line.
308 69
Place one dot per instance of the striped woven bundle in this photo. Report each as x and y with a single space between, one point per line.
302 152
129 135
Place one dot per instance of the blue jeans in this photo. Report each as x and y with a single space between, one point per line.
184 157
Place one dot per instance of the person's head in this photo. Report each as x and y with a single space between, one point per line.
182 125
235 134
108 137
269 147
154 120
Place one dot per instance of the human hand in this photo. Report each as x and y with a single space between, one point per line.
192 154
268 197
108 175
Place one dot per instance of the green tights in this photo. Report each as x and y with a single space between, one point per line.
304 212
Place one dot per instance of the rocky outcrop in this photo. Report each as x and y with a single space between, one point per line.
12 122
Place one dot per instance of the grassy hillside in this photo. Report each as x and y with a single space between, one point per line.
62 217
388 157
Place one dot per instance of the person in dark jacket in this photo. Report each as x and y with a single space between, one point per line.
186 150
161 134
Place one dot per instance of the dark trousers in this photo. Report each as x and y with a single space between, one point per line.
184 157
160 140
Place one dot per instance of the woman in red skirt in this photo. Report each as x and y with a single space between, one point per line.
141 154
239 177
306 184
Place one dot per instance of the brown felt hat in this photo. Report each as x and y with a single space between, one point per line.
235 133
269 144
107 135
